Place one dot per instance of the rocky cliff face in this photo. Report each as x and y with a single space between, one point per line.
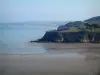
73 36
59 36
94 37
69 37
51 36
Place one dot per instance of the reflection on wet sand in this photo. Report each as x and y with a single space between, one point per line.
59 59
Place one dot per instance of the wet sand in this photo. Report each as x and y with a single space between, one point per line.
74 62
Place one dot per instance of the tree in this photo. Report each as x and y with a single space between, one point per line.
88 26
94 26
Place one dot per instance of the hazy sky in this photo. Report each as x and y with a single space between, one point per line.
48 10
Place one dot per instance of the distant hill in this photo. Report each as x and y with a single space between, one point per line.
93 20
80 24
74 24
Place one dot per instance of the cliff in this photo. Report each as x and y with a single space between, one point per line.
73 32
70 37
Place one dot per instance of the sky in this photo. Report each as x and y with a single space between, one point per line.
48 10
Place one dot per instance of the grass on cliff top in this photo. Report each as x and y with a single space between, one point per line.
97 30
73 30
78 30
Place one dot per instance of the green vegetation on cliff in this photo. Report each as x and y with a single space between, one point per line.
72 30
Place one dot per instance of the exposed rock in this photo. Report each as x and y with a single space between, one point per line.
69 37
95 35
73 36
59 36
52 36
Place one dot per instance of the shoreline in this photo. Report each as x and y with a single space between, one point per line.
60 48
60 62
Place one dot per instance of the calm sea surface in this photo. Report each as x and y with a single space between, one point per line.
15 36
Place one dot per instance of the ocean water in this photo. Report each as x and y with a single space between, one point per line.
14 37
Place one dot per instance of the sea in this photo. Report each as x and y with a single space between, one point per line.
15 37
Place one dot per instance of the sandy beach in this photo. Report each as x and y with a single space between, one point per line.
74 62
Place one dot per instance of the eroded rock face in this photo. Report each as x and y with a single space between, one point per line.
59 36
52 36
94 37
73 36
69 37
